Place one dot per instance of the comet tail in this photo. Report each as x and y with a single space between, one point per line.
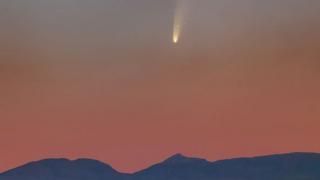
179 17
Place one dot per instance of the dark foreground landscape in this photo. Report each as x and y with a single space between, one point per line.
294 166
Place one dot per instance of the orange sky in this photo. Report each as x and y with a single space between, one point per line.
102 79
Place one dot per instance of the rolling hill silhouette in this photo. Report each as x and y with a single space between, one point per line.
293 166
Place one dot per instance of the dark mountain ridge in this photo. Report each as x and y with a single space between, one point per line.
63 169
293 166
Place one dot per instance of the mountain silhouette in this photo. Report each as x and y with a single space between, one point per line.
63 169
175 167
293 166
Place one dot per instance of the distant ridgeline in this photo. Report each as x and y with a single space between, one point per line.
294 166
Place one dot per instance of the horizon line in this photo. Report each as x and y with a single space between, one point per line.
176 154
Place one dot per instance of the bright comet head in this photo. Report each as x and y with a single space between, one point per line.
175 38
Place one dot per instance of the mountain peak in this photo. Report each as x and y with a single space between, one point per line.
177 157
84 162
180 158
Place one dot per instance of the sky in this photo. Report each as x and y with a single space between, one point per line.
102 79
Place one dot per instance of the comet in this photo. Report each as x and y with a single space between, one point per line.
179 19
176 33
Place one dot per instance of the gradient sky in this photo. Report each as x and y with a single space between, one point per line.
102 79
